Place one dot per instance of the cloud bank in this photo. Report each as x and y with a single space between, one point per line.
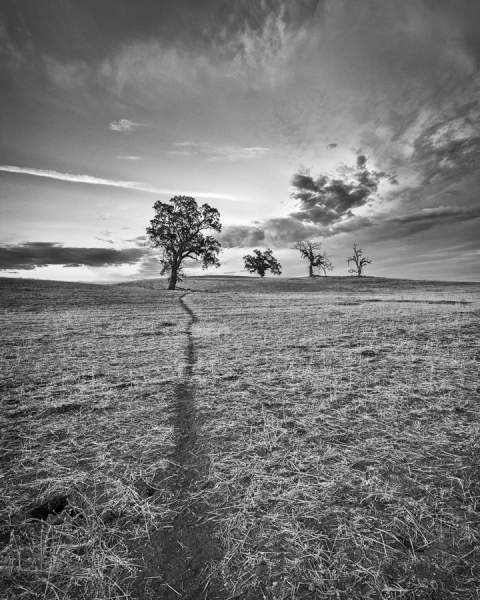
30 255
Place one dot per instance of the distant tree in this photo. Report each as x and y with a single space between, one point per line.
358 261
262 262
177 229
316 259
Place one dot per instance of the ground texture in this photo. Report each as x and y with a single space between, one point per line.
241 438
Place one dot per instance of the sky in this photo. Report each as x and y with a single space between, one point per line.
340 121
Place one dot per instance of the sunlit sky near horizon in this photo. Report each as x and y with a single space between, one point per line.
106 107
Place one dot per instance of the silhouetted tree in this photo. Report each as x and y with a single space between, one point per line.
262 262
177 229
316 259
358 261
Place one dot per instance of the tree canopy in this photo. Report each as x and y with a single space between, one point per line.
177 228
261 262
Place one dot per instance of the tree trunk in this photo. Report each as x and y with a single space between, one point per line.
310 270
173 277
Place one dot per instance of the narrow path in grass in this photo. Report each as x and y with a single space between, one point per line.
179 557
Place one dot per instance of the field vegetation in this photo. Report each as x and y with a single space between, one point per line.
87 375
331 433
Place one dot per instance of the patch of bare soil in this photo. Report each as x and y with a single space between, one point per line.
180 556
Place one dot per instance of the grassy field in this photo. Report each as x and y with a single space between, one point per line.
336 438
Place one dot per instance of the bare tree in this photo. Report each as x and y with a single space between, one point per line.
316 258
358 261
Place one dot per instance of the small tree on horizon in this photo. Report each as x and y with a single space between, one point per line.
316 259
262 262
359 262
177 229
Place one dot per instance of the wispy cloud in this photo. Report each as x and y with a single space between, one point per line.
219 153
131 185
129 157
125 125
70 177
141 241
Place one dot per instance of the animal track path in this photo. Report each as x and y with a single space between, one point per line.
178 559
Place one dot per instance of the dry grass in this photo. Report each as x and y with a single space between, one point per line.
343 431
87 376
340 418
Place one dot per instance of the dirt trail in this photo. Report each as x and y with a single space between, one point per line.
178 558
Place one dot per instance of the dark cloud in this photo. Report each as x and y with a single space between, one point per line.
449 149
327 199
389 66
441 212
428 218
384 227
241 236
280 232
30 255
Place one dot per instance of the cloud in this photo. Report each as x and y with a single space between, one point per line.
129 157
125 125
426 219
329 198
282 232
30 255
447 148
244 44
241 236
235 153
72 178
140 241
279 232
388 226
219 153
150 266
11 53
131 185
440 212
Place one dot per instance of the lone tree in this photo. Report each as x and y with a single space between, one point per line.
358 261
262 262
177 229
316 259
